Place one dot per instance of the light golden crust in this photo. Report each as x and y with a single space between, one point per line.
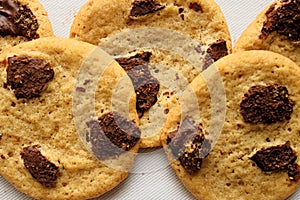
250 40
44 30
228 172
48 121
100 19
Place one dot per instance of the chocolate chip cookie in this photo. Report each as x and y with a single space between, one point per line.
245 142
64 134
21 21
146 38
276 29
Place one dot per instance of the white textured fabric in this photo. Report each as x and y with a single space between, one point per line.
152 178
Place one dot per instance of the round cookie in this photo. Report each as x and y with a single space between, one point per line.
275 29
65 132
21 21
152 32
246 141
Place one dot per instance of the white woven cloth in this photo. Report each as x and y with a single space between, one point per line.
152 178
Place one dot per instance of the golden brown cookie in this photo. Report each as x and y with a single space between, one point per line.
275 29
67 113
245 142
151 33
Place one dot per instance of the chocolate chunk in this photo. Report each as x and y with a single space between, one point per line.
17 20
145 85
28 77
144 7
266 104
41 169
294 171
189 145
195 7
215 51
284 19
277 158
112 135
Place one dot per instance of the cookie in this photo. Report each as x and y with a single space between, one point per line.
21 21
244 142
276 29
68 118
159 35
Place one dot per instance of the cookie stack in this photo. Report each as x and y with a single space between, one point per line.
143 74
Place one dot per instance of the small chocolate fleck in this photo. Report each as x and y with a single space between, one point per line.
40 168
145 85
189 145
27 76
17 20
180 10
182 16
266 104
80 89
281 157
111 135
215 51
144 7
195 7
283 19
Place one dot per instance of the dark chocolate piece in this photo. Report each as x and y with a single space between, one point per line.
144 7
27 76
266 104
40 168
277 158
112 135
284 19
215 51
294 171
195 7
17 20
189 145
145 85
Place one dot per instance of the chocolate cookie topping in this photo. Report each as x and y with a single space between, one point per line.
215 51
284 19
189 145
27 76
44 171
278 158
111 135
266 104
17 20
144 7
196 7
145 85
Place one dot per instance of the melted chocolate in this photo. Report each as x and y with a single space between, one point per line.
17 20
